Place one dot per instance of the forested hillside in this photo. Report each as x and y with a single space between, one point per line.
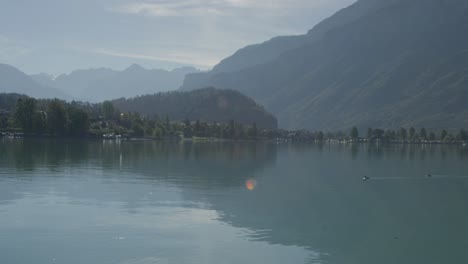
210 105
374 64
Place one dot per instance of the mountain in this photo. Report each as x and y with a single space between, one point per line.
209 104
43 79
378 63
13 80
270 50
104 84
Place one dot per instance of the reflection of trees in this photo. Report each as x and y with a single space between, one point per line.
183 164
354 150
141 156
316 199
27 154
212 164
307 195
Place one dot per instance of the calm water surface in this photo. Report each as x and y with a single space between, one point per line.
105 202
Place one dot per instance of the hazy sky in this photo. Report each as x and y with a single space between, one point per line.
58 36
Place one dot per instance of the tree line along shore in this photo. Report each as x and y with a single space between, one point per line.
56 118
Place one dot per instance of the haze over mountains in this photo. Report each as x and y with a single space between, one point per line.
13 80
93 85
376 63
147 92
101 84
379 63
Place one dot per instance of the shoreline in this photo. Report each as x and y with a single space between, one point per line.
10 135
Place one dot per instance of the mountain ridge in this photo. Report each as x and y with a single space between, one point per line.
369 65
99 84
12 80
208 105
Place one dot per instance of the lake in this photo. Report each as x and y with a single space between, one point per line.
146 202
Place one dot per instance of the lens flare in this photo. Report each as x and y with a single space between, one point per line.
251 184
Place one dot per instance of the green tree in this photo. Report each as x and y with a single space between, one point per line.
378 133
188 132
231 129
252 131
354 133
167 124
187 122
443 134
412 133
3 122
369 133
108 110
197 129
389 135
56 117
320 136
462 135
39 122
215 130
158 133
125 120
149 131
402 134
138 130
423 134
449 137
240 131
78 124
24 113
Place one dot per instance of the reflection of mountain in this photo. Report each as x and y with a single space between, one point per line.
309 196
314 198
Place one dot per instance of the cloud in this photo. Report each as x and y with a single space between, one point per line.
226 25
203 61
170 8
194 32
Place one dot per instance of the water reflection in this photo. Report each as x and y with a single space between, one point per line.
188 165
317 200
307 201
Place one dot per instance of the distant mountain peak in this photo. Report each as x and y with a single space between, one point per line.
135 67
44 75
99 84
13 80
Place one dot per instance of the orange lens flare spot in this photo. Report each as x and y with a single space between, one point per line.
251 184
